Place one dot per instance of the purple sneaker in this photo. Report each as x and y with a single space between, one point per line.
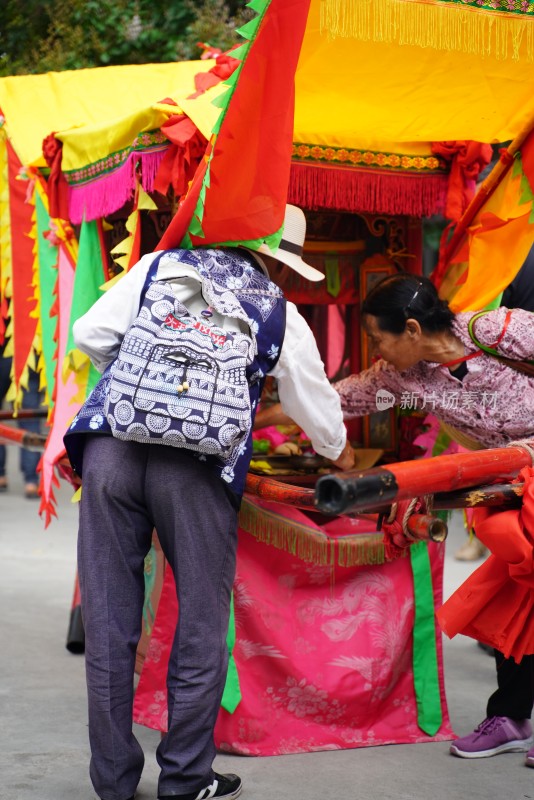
529 760
493 736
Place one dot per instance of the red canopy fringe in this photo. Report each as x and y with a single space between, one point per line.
359 190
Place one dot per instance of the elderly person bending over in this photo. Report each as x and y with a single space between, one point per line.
427 359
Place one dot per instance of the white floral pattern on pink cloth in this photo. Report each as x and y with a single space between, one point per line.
493 404
346 679
324 658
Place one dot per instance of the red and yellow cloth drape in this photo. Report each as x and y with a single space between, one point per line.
495 605
18 260
497 239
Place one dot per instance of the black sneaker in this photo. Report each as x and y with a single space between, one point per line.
223 786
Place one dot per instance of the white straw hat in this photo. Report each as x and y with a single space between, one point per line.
292 243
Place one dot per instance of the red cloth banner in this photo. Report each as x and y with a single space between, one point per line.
468 159
22 299
249 170
182 158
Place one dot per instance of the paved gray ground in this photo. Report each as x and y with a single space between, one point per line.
43 733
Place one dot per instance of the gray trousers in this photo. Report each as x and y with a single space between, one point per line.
129 489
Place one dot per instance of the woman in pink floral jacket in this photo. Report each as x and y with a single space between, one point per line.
427 360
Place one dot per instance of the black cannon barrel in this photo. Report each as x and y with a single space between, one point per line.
338 493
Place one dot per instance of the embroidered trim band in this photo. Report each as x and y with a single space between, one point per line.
369 158
149 141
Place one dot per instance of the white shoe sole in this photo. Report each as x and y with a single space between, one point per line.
232 795
516 746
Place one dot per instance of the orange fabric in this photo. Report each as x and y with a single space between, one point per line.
498 221
177 228
495 605
527 159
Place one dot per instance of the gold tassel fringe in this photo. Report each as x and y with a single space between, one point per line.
441 25
308 544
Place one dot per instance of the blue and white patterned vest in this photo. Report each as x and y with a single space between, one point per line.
235 287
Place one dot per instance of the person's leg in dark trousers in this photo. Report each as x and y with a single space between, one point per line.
126 488
514 697
5 368
3 479
198 535
31 398
114 537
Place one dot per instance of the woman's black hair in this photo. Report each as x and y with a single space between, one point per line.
400 297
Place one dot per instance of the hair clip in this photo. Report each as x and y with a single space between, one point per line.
406 307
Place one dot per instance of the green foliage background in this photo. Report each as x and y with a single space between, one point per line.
57 35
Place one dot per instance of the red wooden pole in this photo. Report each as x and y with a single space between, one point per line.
340 493
279 492
30 441
425 527
24 413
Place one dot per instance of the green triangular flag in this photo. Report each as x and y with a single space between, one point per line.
232 691
88 278
425 658
48 275
248 30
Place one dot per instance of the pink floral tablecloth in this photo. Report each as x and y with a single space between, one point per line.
324 652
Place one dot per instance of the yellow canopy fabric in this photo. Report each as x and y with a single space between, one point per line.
350 93
92 143
372 95
498 27
354 92
378 96
90 100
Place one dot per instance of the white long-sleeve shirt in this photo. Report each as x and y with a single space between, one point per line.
304 390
